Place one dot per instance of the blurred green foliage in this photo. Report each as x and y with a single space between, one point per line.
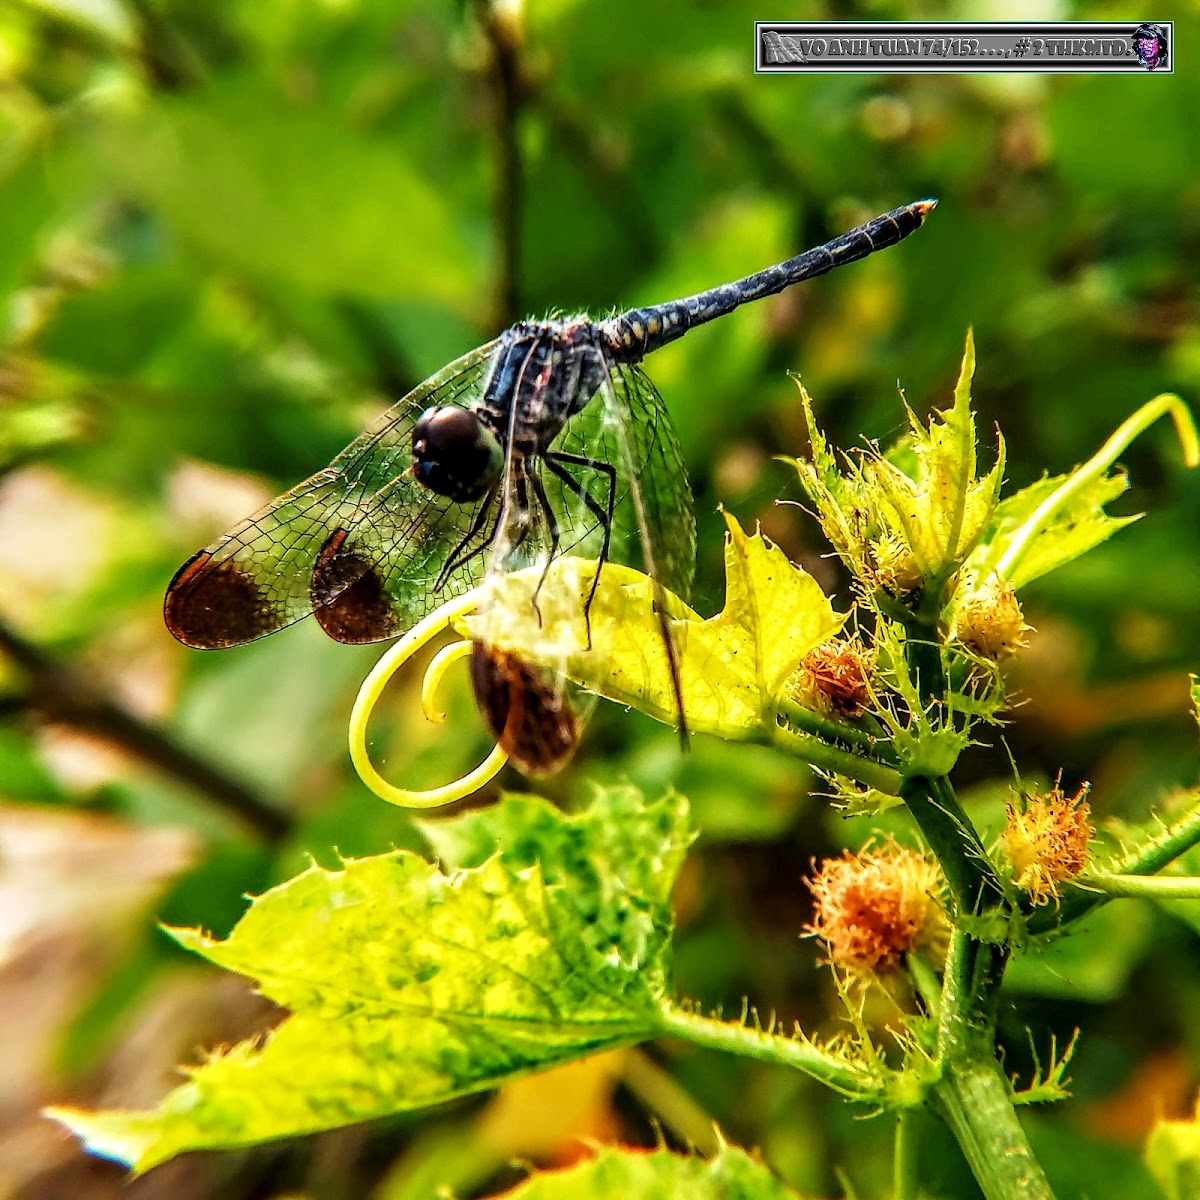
232 231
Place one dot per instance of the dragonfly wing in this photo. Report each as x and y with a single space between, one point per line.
661 476
632 430
402 555
627 426
259 577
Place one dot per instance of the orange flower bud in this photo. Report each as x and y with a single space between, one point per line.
836 676
873 907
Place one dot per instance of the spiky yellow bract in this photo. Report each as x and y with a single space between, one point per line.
906 521
1046 839
990 622
874 907
835 677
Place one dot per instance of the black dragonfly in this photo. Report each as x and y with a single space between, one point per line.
547 440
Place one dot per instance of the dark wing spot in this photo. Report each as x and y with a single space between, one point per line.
526 713
348 596
209 606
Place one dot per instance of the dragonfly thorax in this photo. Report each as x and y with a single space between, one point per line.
455 454
541 374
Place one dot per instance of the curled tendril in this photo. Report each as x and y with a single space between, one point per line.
372 688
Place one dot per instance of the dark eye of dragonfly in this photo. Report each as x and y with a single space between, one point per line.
455 454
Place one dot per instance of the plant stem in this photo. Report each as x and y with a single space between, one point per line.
1152 887
771 1048
972 1093
807 721
666 1098
821 754
973 1097
950 835
62 693
502 28
906 1177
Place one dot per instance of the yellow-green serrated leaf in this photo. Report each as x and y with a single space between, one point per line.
731 1175
732 666
408 986
1173 1156
620 839
1196 697
1026 539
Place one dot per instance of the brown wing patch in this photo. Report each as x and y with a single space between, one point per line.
213 605
527 715
348 596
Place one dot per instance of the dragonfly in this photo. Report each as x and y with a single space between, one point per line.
548 440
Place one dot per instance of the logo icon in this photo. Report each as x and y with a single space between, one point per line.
1150 45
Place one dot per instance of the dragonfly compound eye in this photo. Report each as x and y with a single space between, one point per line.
455 454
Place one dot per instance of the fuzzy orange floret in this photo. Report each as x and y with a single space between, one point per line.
873 907
1046 840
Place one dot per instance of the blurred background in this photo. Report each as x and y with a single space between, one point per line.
232 232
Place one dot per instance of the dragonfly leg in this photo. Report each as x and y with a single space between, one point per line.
539 493
460 555
557 462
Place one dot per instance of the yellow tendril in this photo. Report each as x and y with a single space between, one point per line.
372 688
442 661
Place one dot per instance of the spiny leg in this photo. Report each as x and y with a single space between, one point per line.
539 494
557 461
457 558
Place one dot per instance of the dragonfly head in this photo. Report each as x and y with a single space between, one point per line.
455 454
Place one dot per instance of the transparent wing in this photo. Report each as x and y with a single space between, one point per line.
627 426
274 567
660 496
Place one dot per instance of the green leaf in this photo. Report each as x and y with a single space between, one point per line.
1054 521
1195 679
408 985
732 666
1077 527
1173 1156
639 845
285 192
731 1175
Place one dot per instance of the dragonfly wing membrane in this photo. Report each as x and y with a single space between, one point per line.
258 577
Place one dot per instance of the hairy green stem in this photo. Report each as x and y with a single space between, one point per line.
821 754
972 1093
950 835
807 721
973 1097
751 1042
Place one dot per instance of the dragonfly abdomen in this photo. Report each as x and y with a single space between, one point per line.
632 335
